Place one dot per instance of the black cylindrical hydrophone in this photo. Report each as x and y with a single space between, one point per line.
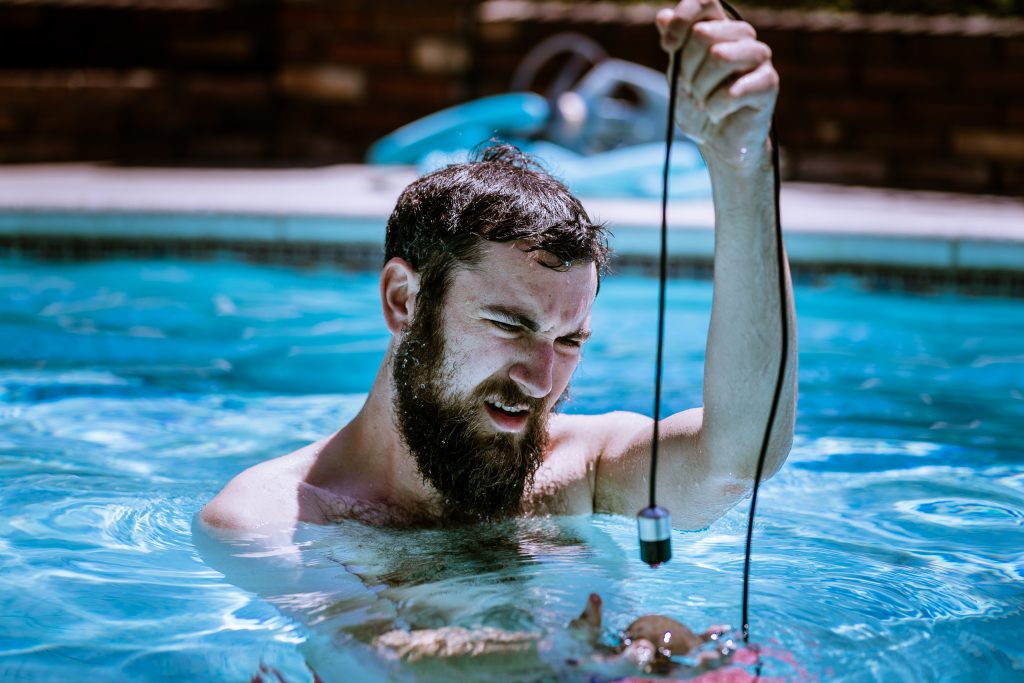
653 522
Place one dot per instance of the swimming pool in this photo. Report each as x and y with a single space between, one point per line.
888 548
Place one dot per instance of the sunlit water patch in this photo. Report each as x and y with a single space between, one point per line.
889 547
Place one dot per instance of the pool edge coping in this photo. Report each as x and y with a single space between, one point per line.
349 205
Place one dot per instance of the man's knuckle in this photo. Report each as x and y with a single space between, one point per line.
703 32
688 14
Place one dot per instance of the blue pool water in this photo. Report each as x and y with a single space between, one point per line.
889 548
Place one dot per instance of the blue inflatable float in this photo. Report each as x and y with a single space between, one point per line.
597 142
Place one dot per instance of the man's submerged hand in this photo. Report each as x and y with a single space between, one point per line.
727 85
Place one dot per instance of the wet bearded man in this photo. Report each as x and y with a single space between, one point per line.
492 269
478 472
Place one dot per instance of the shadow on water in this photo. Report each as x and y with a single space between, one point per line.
513 585
350 583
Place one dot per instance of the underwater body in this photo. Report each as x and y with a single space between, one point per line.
889 547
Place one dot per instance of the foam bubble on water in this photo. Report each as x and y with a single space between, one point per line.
826 447
1014 480
362 346
166 273
223 305
983 361
962 512
145 332
859 631
99 301
335 326
109 438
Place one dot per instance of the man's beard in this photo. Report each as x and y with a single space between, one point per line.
478 474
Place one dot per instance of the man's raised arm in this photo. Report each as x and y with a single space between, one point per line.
726 95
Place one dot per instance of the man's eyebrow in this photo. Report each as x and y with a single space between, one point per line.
523 319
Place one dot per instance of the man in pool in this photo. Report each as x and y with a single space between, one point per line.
491 271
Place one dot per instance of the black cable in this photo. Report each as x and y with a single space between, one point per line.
783 354
780 263
655 518
674 66
654 524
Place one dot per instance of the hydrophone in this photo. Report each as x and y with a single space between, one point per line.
654 524
655 527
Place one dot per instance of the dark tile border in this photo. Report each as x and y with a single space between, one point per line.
882 278
351 256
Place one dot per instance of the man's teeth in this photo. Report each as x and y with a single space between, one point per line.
507 408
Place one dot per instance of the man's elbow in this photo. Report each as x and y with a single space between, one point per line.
778 450
779 444
738 480
737 460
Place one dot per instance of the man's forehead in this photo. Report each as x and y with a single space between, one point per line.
523 253
510 278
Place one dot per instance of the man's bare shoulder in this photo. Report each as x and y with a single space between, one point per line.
264 495
566 482
577 443
598 434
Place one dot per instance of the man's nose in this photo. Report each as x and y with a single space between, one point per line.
533 371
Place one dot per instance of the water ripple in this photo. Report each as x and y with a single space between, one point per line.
888 548
963 512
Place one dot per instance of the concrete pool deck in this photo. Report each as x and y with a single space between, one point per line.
825 225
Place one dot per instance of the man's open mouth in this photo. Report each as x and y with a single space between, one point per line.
509 409
508 416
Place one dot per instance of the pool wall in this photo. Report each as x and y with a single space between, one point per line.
337 214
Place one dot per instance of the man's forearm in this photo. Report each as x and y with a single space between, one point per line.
745 340
726 93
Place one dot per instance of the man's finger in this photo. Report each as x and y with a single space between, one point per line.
663 20
755 90
721 109
727 62
692 11
701 38
762 79
716 31
674 25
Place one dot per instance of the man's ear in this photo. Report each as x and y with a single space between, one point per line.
399 284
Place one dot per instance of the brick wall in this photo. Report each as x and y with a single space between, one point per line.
92 81
233 82
354 70
915 102
924 103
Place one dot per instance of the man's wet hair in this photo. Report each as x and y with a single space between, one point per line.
501 195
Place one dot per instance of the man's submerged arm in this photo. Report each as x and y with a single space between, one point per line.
708 458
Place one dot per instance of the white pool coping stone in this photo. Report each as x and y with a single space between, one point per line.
823 224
